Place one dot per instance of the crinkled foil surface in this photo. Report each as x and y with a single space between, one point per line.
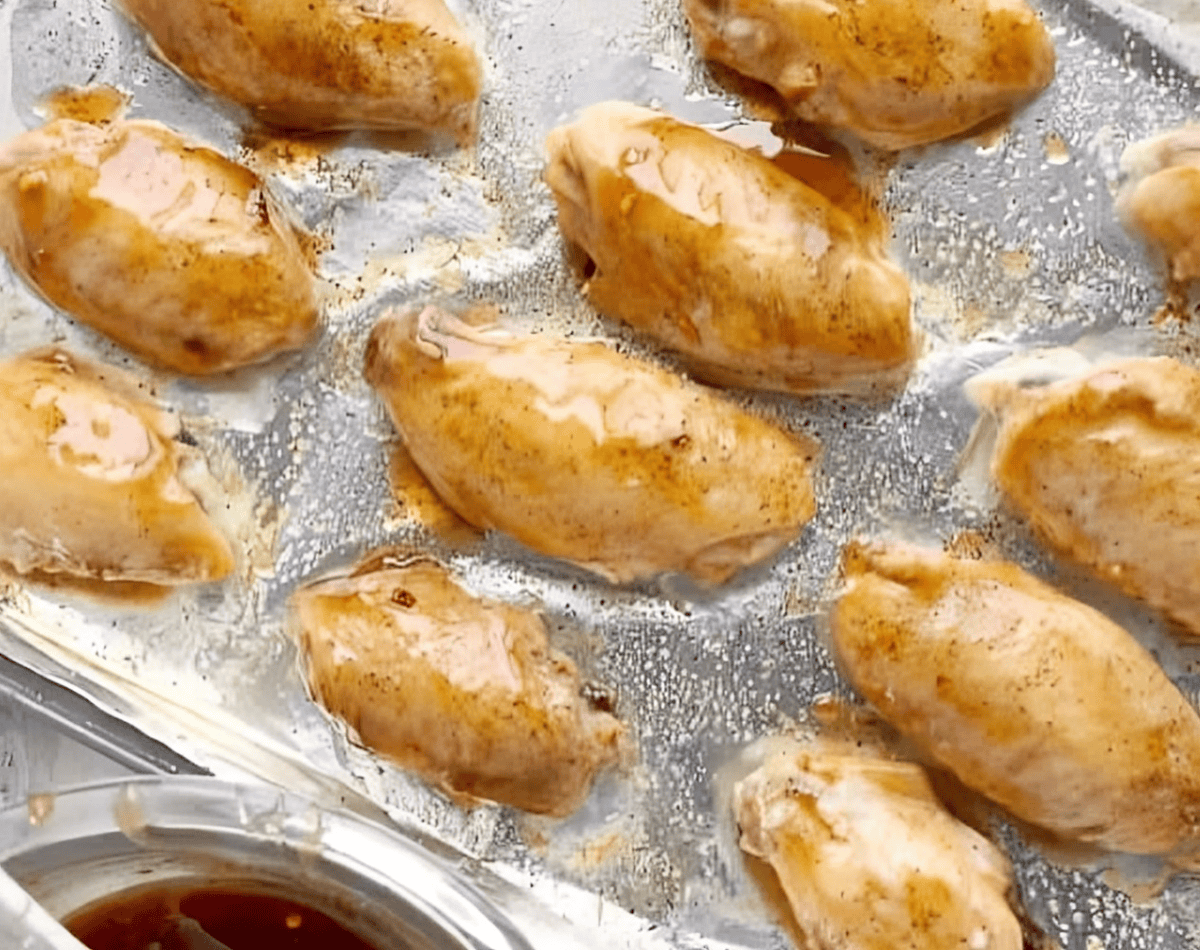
1011 243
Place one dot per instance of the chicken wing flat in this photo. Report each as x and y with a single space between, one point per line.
166 246
1161 199
92 480
466 691
713 250
1035 700
586 454
894 72
869 858
1103 466
324 64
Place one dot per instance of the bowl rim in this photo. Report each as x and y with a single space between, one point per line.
204 816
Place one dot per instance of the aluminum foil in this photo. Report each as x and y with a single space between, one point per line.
1011 243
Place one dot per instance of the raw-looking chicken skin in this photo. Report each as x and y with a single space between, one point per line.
466 691
166 246
869 858
1031 698
896 73
92 480
715 251
324 64
586 454
1104 467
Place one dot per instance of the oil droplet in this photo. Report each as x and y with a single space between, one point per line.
1057 152
41 807
1016 264
293 921
128 813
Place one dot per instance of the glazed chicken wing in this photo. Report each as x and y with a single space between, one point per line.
324 64
583 453
896 73
870 859
1103 465
175 252
756 278
463 690
92 484
1032 699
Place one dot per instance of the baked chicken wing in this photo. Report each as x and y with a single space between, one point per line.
1104 467
586 454
1034 700
463 690
869 858
92 479
1161 197
894 72
175 252
756 278
324 64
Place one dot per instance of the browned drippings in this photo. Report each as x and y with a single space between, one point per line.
113 592
277 151
832 173
91 104
420 501
760 99
241 918
776 900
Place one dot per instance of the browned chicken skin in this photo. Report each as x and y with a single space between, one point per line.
896 73
869 858
324 64
585 454
1032 699
1104 466
757 279
175 252
1161 198
463 690
91 478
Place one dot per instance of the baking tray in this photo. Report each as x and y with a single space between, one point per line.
1011 243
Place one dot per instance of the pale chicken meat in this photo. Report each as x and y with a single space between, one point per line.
162 244
869 858
755 278
1161 197
325 64
1103 466
586 454
1032 699
95 483
894 72
464 690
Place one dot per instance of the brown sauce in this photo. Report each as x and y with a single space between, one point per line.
240 918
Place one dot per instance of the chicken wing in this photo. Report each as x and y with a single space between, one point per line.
324 64
175 252
1103 466
1161 197
586 454
756 278
1032 699
463 690
894 72
92 484
870 859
